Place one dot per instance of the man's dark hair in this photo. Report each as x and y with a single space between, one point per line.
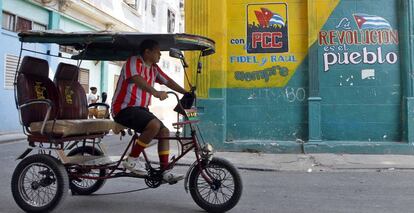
92 88
147 44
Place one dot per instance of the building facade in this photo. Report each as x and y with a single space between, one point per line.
308 75
152 16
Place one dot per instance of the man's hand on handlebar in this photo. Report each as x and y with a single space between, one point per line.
162 95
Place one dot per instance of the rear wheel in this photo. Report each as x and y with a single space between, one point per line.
39 183
225 191
84 186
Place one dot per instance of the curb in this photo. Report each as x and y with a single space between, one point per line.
238 167
277 163
6 138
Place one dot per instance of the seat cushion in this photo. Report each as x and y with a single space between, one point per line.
65 128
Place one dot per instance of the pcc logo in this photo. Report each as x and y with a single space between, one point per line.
267 28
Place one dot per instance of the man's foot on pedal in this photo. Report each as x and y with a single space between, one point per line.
134 165
171 177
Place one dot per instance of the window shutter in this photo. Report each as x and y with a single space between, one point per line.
23 24
8 21
37 26
84 79
10 65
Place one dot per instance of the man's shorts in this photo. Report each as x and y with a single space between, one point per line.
136 118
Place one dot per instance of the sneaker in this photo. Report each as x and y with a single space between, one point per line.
170 177
135 165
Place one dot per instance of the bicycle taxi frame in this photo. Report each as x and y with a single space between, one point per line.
70 154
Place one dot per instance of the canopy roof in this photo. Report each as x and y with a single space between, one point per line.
116 46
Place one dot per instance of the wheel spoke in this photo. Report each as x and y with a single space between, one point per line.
31 193
225 197
205 184
217 198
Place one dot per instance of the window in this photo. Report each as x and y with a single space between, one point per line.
171 22
8 21
132 3
177 68
182 4
23 24
37 26
154 8
15 23
180 27
84 79
10 66
68 49
165 64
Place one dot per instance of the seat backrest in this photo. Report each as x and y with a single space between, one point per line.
73 102
33 83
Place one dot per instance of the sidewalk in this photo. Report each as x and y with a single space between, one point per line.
6 137
284 162
303 162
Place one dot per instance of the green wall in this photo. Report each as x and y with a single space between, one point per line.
356 107
361 106
69 25
269 113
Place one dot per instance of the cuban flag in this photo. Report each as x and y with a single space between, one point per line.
276 19
365 22
268 18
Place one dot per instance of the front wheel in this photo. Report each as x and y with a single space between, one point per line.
39 183
225 190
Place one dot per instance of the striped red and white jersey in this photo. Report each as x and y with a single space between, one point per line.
128 94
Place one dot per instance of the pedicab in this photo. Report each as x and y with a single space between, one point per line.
65 150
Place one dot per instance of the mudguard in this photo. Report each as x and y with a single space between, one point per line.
187 175
24 154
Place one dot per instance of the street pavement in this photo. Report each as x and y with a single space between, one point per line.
275 162
285 183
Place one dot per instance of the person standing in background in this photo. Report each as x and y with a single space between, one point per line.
93 98
103 111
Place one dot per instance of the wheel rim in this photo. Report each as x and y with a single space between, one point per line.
37 184
222 188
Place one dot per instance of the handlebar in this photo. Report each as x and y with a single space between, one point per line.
179 108
175 94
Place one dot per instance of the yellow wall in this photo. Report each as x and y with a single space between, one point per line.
226 23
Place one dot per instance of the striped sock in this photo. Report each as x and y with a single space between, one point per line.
163 159
137 148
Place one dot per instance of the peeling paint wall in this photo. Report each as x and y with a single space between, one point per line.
325 71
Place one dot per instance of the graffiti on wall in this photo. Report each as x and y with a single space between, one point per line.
295 94
371 32
264 74
262 57
261 61
267 29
